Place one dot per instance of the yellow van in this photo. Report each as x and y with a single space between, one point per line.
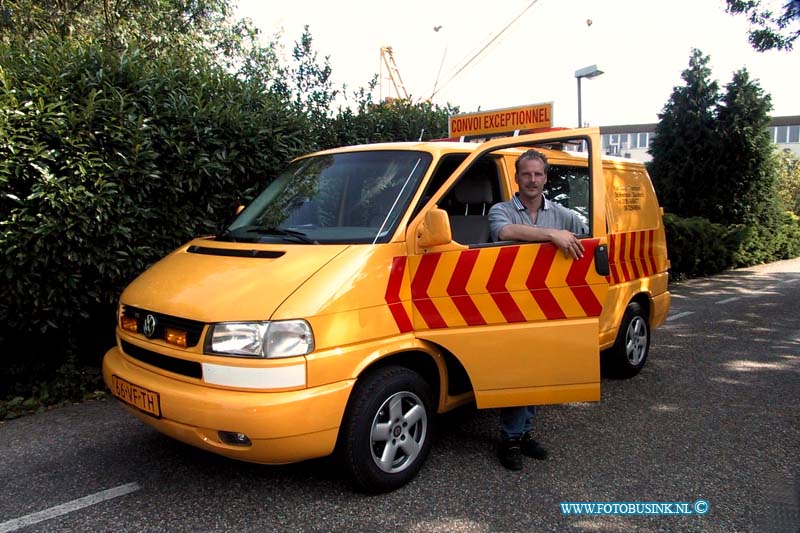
358 296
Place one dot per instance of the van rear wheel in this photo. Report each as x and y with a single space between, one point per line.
386 432
629 353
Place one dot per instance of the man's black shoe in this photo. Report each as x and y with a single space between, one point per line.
531 448
510 454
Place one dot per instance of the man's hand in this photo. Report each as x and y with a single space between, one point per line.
567 242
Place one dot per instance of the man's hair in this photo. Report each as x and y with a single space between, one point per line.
533 154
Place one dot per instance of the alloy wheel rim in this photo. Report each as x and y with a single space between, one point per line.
636 341
398 432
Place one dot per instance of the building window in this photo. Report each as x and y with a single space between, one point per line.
643 140
794 134
782 134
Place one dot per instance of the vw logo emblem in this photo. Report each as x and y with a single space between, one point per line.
149 326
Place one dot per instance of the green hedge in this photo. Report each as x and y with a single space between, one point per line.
778 238
698 247
107 162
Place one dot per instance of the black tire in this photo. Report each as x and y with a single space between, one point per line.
386 431
629 354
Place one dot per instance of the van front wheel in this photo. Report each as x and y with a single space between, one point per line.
386 433
629 353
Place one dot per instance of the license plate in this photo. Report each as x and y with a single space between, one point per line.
139 397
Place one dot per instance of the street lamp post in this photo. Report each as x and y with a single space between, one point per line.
586 72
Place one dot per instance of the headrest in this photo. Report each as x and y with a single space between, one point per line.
473 189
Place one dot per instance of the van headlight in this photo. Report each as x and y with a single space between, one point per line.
283 338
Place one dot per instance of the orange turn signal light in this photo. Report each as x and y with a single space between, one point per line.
175 336
128 324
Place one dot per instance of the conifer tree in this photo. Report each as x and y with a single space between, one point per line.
684 149
744 188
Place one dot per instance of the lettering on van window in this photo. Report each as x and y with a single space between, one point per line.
629 197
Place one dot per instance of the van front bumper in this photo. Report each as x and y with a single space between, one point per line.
283 427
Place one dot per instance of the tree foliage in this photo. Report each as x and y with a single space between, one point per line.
712 156
156 28
109 161
685 142
394 120
305 82
714 169
770 29
787 164
743 183
698 247
334 118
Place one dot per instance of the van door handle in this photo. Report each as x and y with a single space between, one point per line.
601 260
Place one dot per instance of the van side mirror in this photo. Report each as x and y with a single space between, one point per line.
435 229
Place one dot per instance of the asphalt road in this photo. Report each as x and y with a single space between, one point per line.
715 415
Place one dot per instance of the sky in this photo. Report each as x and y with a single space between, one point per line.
642 46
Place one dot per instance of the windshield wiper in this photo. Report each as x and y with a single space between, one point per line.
226 235
298 236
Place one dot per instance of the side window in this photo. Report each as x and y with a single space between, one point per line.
570 187
476 191
467 203
447 166
470 199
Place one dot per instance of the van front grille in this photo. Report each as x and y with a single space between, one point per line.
193 328
192 369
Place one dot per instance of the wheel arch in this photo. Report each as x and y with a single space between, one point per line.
441 369
642 299
616 359
426 364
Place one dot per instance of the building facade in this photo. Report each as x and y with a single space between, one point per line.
633 140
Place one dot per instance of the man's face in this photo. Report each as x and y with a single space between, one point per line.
531 179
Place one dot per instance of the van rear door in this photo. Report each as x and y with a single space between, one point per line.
520 317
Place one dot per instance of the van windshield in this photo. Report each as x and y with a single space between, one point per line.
354 197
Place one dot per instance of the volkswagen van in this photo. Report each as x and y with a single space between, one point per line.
359 295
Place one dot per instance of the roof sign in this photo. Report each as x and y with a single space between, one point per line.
502 120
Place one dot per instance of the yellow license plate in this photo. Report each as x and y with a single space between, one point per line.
139 397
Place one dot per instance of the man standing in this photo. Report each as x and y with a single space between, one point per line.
530 216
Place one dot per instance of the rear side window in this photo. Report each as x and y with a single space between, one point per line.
631 200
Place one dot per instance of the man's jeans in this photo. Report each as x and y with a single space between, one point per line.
514 421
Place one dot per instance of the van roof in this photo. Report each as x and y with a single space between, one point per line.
448 147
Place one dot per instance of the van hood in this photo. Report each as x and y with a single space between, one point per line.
222 282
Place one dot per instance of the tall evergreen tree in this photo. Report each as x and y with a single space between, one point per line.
684 149
745 180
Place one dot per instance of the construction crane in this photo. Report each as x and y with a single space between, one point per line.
393 74
467 62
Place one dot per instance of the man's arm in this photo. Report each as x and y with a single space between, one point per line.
565 240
